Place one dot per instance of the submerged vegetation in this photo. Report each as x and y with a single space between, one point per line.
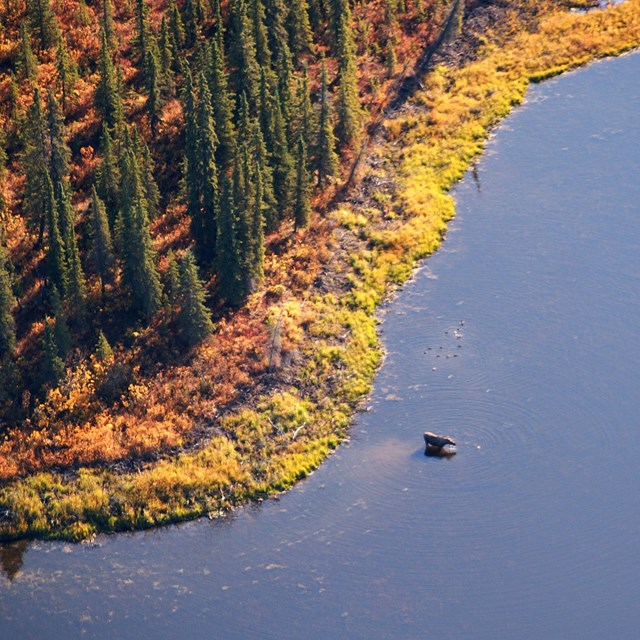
261 404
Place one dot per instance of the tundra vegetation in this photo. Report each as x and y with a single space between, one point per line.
187 317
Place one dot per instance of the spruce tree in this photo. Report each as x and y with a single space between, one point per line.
277 12
7 302
103 348
326 161
139 274
243 60
176 25
191 170
335 10
247 195
43 21
241 216
306 123
391 59
53 367
194 317
75 291
167 58
154 101
14 111
256 228
317 14
107 99
349 111
205 225
35 163
282 161
101 243
201 170
143 30
57 268
28 63
107 23
299 27
192 18
59 153
223 106
258 16
250 137
302 200
219 29
67 71
266 110
108 176
229 269
284 73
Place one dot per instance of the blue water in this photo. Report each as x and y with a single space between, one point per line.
519 339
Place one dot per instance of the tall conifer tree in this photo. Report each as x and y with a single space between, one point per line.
300 34
222 106
108 99
306 122
194 317
167 58
193 15
58 150
67 70
35 163
206 225
258 17
192 181
176 25
228 257
282 161
154 101
243 60
28 63
348 108
56 254
101 243
326 160
277 12
43 21
53 367
139 274
108 176
142 29
107 23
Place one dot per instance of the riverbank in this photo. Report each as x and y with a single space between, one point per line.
396 217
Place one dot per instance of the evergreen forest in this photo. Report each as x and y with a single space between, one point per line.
165 168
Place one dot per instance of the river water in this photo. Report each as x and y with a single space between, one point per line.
519 339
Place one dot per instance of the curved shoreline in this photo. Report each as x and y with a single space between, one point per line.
400 217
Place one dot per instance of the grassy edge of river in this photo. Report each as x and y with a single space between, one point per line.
397 217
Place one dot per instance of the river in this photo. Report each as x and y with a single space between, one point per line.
520 339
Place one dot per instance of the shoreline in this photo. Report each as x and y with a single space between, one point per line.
392 220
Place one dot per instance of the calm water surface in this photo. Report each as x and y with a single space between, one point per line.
520 339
